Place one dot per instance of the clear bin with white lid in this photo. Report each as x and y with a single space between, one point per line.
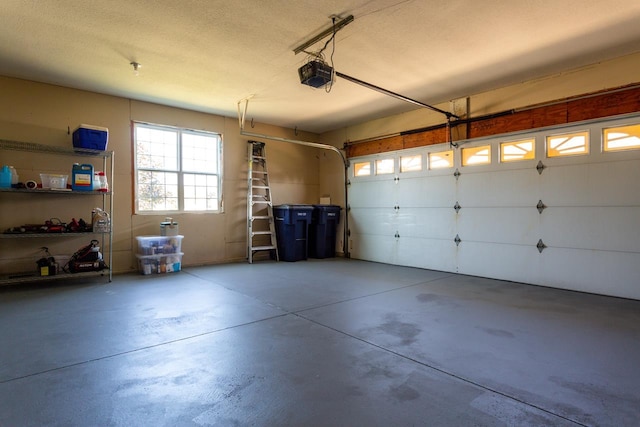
158 245
160 264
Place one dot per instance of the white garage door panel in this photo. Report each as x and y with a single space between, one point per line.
433 223
434 191
609 273
591 224
377 248
519 226
376 193
504 188
427 253
601 228
565 185
615 183
597 184
410 192
506 262
383 221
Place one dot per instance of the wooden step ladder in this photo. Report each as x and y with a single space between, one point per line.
261 232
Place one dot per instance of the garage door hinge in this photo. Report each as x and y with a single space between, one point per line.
457 240
541 206
457 207
541 246
397 235
540 167
457 174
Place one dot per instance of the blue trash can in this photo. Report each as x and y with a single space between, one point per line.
292 231
323 231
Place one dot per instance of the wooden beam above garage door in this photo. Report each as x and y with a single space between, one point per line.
608 103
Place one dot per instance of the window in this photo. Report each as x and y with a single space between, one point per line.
517 150
569 144
476 155
411 163
443 159
622 138
177 170
362 169
384 166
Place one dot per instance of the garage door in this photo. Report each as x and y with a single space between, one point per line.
555 207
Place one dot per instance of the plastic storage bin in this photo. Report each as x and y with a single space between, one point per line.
159 245
50 180
159 264
292 229
323 230
91 137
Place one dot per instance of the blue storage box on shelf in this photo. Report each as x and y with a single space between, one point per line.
323 230
91 137
292 229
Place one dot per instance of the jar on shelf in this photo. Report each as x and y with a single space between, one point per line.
100 182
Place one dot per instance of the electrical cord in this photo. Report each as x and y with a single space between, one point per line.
328 87
319 55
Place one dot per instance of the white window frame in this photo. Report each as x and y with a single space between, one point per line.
525 156
609 144
357 166
555 152
408 168
180 171
436 166
380 162
476 159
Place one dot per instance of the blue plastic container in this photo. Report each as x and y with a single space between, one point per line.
82 177
292 230
91 137
5 177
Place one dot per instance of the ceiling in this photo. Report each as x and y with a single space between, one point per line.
207 55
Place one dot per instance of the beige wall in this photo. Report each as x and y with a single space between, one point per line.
611 74
34 112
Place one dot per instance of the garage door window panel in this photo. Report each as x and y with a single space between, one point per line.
411 163
362 169
517 150
385 166
622 138
570 144
476 155
441 160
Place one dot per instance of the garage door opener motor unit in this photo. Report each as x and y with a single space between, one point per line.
316 73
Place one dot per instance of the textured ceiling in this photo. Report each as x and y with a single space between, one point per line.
206 55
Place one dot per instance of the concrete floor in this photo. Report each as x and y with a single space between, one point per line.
316 343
